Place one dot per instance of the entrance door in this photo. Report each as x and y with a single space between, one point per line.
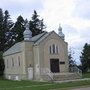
54 65
30 73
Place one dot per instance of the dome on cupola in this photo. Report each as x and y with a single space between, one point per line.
60 33
27 33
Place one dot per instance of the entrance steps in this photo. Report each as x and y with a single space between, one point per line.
61 76
65 76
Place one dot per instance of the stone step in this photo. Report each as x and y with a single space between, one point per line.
66 77
61 77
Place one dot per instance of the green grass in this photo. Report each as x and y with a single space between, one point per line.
33 85
86 75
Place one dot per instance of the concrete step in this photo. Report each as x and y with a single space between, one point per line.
60 76
66 76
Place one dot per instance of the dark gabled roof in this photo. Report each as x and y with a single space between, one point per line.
37 37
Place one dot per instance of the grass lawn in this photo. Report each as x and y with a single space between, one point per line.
33 85
86 75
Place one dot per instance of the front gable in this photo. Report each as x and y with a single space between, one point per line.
47 36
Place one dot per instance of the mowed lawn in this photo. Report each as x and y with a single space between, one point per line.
33 85
86 75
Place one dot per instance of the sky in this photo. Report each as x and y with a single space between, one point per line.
72 15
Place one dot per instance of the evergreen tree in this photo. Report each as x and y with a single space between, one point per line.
2 36
36 25
85 58
2 66
7 25
19 29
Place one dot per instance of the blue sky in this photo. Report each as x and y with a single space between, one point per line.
73 15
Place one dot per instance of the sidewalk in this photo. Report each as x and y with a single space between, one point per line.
83 88
72 80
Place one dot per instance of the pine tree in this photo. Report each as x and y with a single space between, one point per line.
19 29
85 58
2 66
7 25
1 42
36 25
2 36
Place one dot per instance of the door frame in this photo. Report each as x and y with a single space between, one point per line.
54 65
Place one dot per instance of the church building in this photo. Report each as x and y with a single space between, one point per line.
42 57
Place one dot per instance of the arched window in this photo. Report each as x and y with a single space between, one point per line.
18 60
7 63
56 49
12 62
53 49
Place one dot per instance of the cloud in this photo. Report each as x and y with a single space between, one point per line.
21 7
76 39
82 9
55 12
62 12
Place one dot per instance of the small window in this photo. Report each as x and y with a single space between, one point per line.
7 63
56 49
62 62
53 48
50 49
18 60
12 62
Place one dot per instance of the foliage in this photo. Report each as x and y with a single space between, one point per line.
2 66
36 25
85 58
7 25
2 36
72 63
18 29
5 33
86 75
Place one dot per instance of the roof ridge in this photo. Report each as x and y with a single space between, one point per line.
41 36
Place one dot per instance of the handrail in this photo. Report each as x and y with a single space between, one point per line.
46 71
75 69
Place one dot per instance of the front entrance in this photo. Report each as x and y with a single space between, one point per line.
54 65
30 73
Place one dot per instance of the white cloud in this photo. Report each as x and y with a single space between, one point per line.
55 12
21 7
82 9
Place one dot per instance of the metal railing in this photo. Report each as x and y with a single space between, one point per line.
46 71
75 69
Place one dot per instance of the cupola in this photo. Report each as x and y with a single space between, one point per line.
27 33
60 33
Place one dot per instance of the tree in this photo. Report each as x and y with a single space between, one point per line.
2 66
85 58
1 31
72 63
18 29
36 25
7 26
